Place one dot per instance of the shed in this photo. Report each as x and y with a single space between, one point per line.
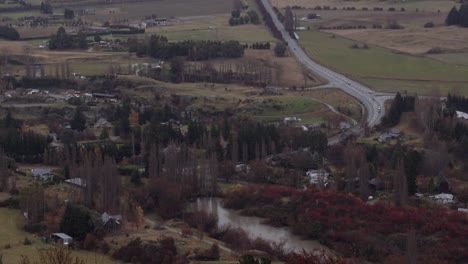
77 182
66 239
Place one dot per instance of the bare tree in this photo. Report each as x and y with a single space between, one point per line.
411 248
400 185
235 149
4 175
32 202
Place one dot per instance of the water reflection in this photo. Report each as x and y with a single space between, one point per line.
253 225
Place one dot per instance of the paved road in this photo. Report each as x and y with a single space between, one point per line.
372 101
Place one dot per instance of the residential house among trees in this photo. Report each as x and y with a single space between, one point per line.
111 222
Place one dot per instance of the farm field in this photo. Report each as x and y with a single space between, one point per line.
213 27
173 8
382 69
413 38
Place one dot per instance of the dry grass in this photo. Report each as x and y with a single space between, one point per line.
28 32
287 71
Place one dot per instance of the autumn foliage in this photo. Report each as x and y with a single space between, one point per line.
352 227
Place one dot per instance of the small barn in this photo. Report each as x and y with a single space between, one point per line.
62 237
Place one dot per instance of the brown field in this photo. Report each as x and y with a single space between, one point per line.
287 71
413 39
173 8
28 32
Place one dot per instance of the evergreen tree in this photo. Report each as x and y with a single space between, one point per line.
288 20
104 134
453 17
464 15
412 163
77 221
68 14
254 17
79 120
81 40
280 49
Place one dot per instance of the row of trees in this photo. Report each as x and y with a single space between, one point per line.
458 17
159 47
24 146
268 20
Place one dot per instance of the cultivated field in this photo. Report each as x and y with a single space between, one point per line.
212 27
161 8
398 60
383 69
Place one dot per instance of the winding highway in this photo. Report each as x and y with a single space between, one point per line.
372 101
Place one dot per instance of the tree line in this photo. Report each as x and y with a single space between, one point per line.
159 47
458 16
23 146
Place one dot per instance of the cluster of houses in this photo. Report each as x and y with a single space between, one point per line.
109 222
153 22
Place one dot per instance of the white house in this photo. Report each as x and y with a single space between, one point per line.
462 115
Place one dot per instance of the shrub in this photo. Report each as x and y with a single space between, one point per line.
27 241
393 24
211 254
280 49
435 50
89 242
429 25
104 246
34 228
187 231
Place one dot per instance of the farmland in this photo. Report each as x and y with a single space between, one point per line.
414 58
395 72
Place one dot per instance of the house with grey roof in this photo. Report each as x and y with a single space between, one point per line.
42 174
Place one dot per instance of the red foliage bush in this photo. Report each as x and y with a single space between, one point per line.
326 214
